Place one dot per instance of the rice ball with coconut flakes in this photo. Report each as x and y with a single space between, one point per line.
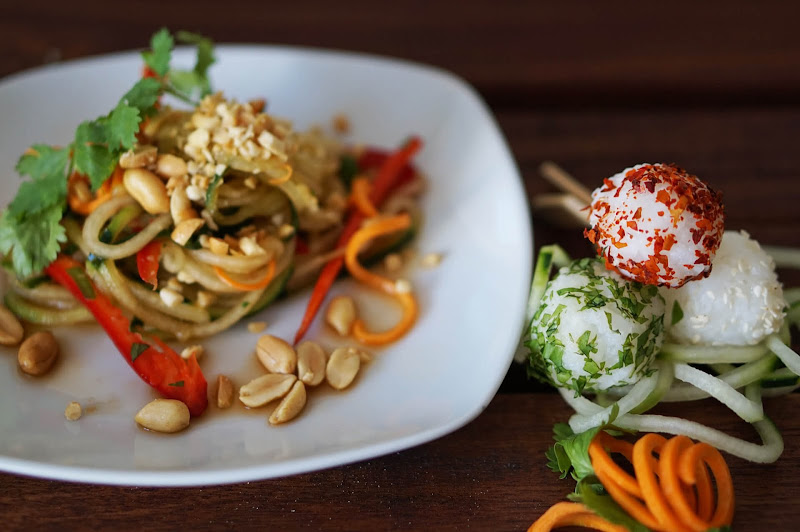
594 330
656 224
740 303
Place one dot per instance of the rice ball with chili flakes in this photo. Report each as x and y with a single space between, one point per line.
656 224
740 303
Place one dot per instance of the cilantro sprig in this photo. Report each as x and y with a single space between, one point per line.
30 229
570 452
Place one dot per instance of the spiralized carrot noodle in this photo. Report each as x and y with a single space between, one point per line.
597 453
630 503
651 491
269 273
698 513
284 178
572 514
359 196
375 228
687 468
673 492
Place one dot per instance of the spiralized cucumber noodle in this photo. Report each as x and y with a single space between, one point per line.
736 376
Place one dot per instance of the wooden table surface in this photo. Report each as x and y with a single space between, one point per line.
713 86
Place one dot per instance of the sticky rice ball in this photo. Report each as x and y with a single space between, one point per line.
740 303
594 330
656 224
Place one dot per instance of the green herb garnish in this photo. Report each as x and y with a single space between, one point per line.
677 313
137 349
348 169
570 453
30 231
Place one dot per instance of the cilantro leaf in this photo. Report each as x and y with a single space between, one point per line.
187 84
30 229
123 124
143 96
91 156
34 196
571 451
32 241
161 52
205 50
42 161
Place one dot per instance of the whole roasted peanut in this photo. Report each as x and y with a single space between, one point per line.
164 415
341 314
169 165
265 389
310 363
291 405
342 368
38 353
276 354
224 392
138 157
147 189
180 207
11 331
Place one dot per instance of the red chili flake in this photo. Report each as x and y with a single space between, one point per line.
664 197
704 224
681 192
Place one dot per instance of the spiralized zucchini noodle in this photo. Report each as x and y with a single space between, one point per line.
213 214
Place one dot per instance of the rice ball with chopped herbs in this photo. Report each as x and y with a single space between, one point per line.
594 330
740 303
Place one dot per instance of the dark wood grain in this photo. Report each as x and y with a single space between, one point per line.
570 52
597 87
491 475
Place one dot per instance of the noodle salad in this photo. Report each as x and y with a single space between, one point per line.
163 222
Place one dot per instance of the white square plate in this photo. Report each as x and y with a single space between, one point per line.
434 381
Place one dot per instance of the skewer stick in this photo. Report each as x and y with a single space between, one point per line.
565 182
564 210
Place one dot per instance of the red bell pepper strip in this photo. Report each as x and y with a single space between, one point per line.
374 159
154 361
391 170
147 262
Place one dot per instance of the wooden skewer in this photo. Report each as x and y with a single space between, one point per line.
561 209
565 182
569 208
